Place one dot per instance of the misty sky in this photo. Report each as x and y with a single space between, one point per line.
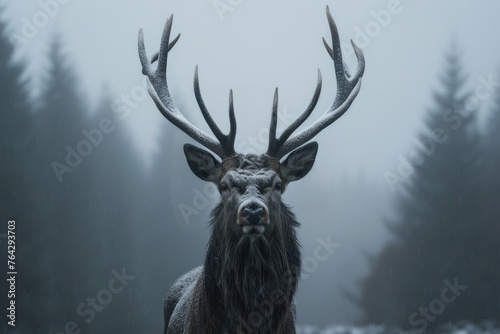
259 45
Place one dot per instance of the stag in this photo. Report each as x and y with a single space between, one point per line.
249 277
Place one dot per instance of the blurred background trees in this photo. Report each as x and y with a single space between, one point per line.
446 224
85 207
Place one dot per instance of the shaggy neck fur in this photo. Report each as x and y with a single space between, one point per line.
250 281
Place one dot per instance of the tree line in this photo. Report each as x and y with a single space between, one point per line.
442 264
90 219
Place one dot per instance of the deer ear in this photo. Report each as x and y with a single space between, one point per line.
299 162
202 163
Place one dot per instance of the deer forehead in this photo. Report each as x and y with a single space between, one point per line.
250 168
251 162
246 177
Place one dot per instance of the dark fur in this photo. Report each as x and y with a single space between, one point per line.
246 274
247 283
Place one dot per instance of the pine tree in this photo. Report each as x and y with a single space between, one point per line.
491 145
439 232
16 126
118 193
17 138
62 214
491 201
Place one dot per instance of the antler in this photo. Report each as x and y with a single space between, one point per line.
348 87
223 146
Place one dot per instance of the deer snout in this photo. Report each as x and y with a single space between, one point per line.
253 217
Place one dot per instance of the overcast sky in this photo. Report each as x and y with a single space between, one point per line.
254 46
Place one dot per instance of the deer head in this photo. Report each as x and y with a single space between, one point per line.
249 182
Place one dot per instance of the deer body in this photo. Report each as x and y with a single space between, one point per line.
247 282
250 274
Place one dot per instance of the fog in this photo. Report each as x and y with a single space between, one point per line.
253 47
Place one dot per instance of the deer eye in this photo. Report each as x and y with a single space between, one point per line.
278 186
223 186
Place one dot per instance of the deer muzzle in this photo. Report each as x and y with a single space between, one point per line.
253 216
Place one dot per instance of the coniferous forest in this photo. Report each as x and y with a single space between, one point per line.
79 197
441 265
97 255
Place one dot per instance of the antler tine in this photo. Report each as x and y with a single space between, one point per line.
348 87
158 89
275 143
232 122
227 141
345 82
156 55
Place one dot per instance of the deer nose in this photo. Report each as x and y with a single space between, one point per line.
253 217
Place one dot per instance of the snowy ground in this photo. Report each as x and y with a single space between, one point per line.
464 329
